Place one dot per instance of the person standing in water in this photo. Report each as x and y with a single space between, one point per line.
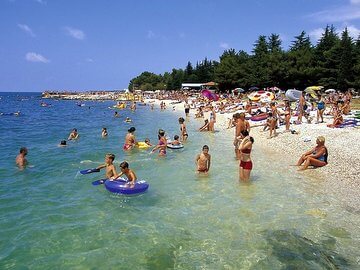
110 167
162 143
203 161
212 119
20 160
245 159
130 140
183 131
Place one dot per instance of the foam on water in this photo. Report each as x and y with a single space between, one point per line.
53 217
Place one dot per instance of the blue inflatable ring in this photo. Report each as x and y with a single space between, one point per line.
121 186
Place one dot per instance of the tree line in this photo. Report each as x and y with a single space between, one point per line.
334 62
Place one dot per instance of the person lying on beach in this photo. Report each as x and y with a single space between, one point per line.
130 174
205 127
203 160
316 157
20 160
73 135
110 168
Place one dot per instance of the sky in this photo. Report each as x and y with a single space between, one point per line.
85 45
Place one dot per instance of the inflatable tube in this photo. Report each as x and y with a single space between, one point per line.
143 145
293 94
120 186
87 171
259 117
171 146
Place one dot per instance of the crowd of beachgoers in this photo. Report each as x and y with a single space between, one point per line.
309 131
319 132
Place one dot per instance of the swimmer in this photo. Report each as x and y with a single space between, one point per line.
128 120
104 132
130 174
20 160
176 140
147 141
183 131
73 135
62 143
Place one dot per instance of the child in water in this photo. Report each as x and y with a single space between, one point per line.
203 160
147 141
176 140
130 174
110 168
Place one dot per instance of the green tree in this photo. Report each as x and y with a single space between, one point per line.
300 69
346 73
259 72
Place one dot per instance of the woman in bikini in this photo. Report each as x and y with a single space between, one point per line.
245 159
183 131
287 116
212 119
130 140
161 144
316 157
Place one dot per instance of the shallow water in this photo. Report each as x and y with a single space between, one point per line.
52 217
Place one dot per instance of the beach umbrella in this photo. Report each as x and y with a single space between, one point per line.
254 88
329 91
313 88
239 90
210 95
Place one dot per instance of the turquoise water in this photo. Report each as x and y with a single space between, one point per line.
53 218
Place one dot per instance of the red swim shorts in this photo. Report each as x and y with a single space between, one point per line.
246 165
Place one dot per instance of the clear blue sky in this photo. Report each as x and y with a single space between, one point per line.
84 45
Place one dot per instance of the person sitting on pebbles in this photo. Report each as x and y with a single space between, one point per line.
316 157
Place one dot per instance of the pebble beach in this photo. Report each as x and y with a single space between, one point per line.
340 177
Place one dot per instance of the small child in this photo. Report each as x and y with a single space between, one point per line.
104 132
176 140
203 160
130 174
110 168
147 141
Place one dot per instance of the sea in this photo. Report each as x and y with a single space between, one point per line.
52 217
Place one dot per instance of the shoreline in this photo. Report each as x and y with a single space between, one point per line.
340 177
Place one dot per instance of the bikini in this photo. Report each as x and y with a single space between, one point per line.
246 165
127 147
162 151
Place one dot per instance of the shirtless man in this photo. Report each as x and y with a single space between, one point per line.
110 168
241 125
203 160
20 160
